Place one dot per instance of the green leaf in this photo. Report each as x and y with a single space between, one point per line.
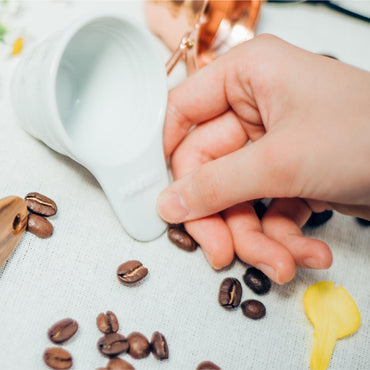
3 31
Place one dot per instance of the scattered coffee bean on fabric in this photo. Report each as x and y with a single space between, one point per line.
178 236
257 280
107 322
158 346
112 345
119 364
230 293
40 204
253 309
319 218
139 345
39 226
62 330
207 365
57 358
131 272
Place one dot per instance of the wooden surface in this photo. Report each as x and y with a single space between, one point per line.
13 223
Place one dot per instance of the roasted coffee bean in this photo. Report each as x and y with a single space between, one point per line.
208 365
39 226
40 204
230 293
139 345
178 236
57 358
319 218
113 344
131 272
62 330
257 280
158 346
107 322
260 209
363 221
119 364
253 309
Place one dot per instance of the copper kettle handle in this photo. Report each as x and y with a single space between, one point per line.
187 51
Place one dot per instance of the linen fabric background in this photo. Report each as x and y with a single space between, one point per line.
72 274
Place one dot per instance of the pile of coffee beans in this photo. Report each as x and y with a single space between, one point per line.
40 207
230 293
60 332
177 235
113 344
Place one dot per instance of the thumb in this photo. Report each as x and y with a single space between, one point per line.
264 169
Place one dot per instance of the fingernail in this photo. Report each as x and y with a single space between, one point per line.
311 263
269 271
171 207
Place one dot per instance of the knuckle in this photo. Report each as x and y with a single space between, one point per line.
174 112
266 38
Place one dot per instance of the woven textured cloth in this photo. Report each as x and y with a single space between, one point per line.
72 274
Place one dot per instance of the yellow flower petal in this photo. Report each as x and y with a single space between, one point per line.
17 46
334 315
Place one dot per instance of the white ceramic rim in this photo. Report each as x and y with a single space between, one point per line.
68 145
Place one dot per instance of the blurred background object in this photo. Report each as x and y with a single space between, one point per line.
201 30
356 9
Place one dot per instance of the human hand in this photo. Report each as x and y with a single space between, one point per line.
307 119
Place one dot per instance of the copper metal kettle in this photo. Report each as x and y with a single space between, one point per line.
201 30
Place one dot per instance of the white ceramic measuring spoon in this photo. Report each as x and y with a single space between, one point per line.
98 93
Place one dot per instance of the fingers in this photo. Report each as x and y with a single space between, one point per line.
211 92
243 79
200 98
215 239
252 246
283 221
264 169
210 140
278 246
206 142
